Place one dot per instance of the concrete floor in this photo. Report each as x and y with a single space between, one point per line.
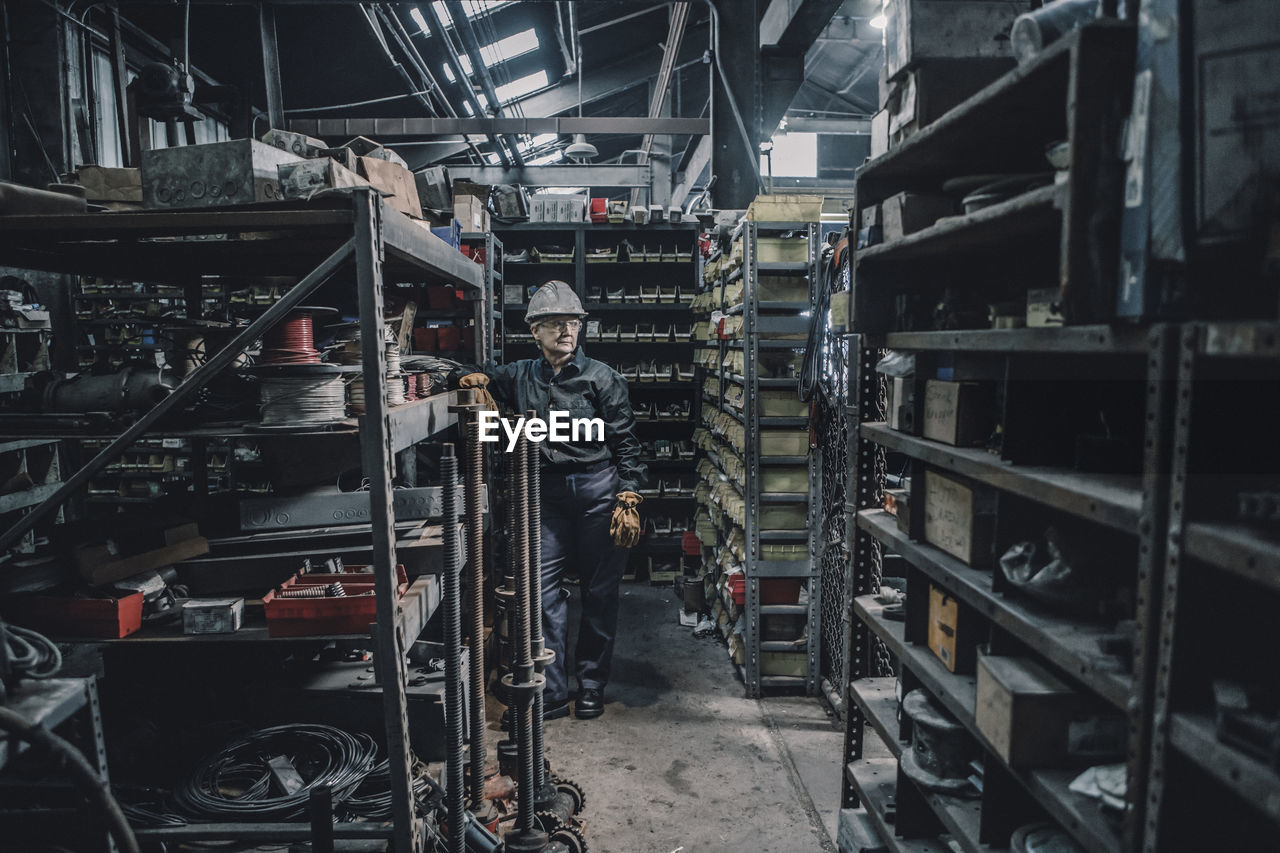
683 761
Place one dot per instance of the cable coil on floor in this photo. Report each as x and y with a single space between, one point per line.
237 782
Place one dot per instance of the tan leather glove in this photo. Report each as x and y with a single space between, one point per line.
480 384
625 526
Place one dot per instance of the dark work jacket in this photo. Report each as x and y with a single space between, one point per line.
585 388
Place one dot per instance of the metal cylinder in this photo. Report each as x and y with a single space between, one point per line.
535 606
523 667
475 553
452 595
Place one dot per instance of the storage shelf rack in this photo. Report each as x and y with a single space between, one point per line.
768 326
1045 100
314 243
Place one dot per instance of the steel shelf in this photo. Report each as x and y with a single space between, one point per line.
763 381
1259 340
1035 213
1064 339
1067 643
1252 780
877 699
1237 548
875 780
1110 499
784 609
1077 814
47 702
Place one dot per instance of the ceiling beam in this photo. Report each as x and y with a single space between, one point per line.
557 175
819 124
387 128
691 177
796 23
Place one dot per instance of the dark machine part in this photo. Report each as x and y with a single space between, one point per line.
523 683
940 749
475 507
452 602
164 93
133 389
159 594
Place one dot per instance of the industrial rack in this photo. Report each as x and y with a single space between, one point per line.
768 327
595 263
1045 98
314 243
1221 582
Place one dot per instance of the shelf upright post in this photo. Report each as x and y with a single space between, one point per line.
1161 675
812 512
375 447
750 485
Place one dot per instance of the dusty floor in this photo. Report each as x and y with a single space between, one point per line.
683 761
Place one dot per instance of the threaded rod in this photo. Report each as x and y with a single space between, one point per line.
535 581
455 786
475 553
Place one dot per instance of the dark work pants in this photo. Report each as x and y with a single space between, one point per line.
576 510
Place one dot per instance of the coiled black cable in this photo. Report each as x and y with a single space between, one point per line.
815 349
30 654
322 755
372 799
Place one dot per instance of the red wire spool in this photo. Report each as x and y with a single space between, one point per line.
292 341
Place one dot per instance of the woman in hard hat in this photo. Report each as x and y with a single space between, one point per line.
589 489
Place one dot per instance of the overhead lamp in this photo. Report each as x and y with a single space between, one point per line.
879 22
580 149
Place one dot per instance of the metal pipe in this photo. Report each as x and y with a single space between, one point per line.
455 64
454 782
537 645
462 23
475 553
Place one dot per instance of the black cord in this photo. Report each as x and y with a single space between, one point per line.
815 348
31 654
329 756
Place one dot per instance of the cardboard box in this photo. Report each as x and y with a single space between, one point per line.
794 664
393 178
471 212
785 208
305 179
958 413
295 143
103 184
952 631
907 213
781 403
537 208
98 565
959 518
775 478
901 403
920 30
1044 308
1024 711
782 288
926 93
879 134
212 615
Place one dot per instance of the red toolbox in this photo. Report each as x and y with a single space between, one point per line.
105 618
308 617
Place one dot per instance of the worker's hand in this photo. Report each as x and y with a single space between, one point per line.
480 384
625 526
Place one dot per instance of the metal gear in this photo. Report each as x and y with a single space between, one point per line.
548 821
574 792
571 837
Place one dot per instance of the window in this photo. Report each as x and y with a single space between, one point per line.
542 139
110 152
474 8
546 159
794 155
498 52
523 86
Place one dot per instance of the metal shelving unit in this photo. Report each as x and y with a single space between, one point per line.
587 276
762 319
1201 754
313 243
1128 510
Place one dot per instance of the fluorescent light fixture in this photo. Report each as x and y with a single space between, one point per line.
523 86
879 22
492 159
416 14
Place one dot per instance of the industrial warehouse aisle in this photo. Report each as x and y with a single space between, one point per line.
681 760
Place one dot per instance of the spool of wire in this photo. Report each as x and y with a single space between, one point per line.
311 399
293 340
